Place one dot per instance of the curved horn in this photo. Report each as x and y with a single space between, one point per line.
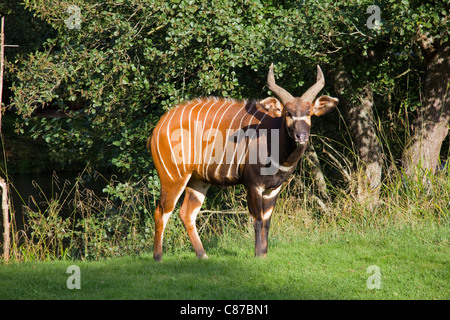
282 94
312 92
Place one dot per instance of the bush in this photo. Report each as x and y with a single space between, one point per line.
76 223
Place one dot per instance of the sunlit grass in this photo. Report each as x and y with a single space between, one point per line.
317 265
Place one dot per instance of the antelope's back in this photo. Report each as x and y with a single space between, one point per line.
202 137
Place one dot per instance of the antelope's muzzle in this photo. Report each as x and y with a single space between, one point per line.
301 138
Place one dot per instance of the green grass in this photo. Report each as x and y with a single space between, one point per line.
414 264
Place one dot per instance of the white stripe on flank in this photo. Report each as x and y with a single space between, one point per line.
198 140
207 140
201 162
236 147
215 136
226 140
159 151
250 139
182 134
170 143
256 132
189 135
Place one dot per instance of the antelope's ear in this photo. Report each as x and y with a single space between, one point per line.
323 105
272 104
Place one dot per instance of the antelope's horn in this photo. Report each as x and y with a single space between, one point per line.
312 92
282 94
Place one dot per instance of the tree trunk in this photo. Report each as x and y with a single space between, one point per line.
359 117
431 128
316 171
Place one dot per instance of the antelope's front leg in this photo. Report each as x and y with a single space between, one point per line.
260 204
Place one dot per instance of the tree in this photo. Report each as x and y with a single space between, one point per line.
424 30
354 63
432 125
360 118
368 64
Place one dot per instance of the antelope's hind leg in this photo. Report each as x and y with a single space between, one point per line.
193 200
169 197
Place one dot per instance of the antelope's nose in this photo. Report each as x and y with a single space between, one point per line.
301 137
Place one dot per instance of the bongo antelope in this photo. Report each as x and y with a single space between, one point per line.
227 142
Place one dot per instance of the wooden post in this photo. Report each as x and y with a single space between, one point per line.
6 222
3 184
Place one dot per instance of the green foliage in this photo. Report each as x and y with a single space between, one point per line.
131 60
128 63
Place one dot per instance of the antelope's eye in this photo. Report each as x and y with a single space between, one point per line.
288 114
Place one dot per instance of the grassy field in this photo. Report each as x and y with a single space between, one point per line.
413 264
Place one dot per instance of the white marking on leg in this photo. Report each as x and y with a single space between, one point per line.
198 192
281 167
165 218
270 193
260 190
200 196
267 214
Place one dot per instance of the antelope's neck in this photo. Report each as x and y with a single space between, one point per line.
290 152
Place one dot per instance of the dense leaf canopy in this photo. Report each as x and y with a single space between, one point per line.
128 61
